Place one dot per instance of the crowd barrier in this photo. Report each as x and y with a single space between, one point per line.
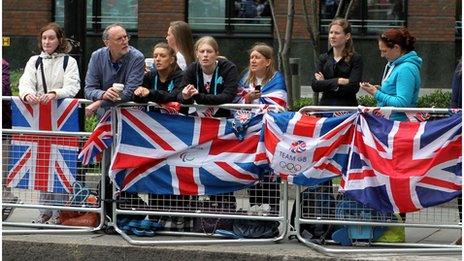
194 215
321 206
200 216
41 170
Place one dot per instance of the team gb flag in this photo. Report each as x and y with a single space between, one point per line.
308 150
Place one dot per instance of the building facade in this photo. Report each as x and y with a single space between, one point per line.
237 24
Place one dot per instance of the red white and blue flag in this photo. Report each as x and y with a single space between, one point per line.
308 150
405 166
182 155
100 139
44 162
273 92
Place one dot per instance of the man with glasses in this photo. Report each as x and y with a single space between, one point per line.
117 62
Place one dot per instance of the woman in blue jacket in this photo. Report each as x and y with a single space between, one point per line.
401 79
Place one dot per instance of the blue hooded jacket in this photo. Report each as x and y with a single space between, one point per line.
400 88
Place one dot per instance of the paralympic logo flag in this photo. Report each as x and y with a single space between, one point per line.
183 155
308 150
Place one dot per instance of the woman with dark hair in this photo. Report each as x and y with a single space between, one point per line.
340 69
179 38
401 79
49 76
161 83
53 74
262 83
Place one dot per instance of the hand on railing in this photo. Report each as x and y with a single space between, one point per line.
92 108
189 91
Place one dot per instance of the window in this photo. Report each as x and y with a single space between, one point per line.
366 16
101 13
458 26
230 16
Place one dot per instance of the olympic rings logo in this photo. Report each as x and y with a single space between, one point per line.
291 167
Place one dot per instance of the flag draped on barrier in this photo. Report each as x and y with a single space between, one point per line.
405 166
41 162
181 155
100 139
388 165
308 150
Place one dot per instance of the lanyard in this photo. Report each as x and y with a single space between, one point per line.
155 84
216 73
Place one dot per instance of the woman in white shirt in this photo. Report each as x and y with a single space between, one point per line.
179 38
49 76
60 82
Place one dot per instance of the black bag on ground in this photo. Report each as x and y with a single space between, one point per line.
256 228
319 202
224 203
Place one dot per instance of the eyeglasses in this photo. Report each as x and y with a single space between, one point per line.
123 38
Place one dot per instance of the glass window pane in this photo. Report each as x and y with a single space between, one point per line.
383 14
59 12
251 16
458 26
122 12
207 15
329 9
230 16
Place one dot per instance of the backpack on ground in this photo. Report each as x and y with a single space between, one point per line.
318 202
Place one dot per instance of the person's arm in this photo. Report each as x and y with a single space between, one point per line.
189 77
164 96
404 90
230 82
71 81
355 77
6 89
28 81
93 89
324 84
134 77
147 83
456 85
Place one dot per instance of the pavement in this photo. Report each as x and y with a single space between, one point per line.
100 246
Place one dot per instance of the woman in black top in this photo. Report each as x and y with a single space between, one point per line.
211 80
340 69
161 83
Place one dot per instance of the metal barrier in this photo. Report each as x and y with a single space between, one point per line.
266 201
37 198
36 162
317 206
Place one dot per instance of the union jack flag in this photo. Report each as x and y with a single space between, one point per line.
308 150
405 166
41 162
273 92
182 155
100 139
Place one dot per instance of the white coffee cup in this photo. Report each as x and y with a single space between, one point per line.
149 62
118 87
